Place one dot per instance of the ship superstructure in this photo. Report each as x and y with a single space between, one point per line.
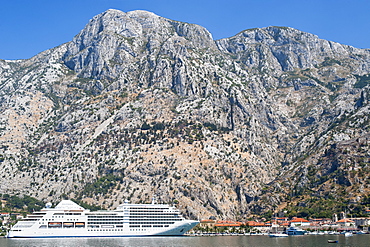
68 219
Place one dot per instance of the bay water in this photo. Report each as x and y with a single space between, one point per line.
362 240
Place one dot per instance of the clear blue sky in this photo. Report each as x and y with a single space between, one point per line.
29 27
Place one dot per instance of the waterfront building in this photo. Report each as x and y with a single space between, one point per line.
299 222
228 223
346 223
259 226
207 223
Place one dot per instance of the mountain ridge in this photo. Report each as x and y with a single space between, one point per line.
137 104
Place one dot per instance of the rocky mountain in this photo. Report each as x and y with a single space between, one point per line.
138 105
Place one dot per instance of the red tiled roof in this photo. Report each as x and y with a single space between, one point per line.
254 223
345 220
285 224
299 220
228 223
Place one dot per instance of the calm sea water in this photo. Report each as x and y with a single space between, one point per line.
248 241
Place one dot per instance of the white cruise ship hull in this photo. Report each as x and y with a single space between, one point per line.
68 219
175 230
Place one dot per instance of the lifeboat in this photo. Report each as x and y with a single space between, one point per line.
68 224
80 224
55 224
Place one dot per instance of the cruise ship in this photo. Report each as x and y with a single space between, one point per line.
68 219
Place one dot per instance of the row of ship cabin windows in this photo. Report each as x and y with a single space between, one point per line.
82 226
136 228
106 230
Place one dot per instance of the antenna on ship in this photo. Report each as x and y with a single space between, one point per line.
154 201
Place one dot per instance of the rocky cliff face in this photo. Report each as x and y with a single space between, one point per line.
137 105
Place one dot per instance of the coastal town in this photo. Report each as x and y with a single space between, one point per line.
338 224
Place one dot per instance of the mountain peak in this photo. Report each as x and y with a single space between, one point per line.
118 36
141 13
113 11
131 14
